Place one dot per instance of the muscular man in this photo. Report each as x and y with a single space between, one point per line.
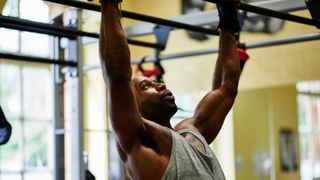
140 108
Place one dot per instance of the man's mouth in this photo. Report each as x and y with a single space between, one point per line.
167 95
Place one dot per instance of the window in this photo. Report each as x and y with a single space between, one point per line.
26 98
9 40
27 43
32 43
309 128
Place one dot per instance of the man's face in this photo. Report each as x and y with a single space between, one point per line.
155 99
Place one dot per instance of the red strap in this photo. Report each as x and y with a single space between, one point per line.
243 55
154 72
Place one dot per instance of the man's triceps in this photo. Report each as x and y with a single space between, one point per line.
124 114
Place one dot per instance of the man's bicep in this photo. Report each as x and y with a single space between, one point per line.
211 112
124 113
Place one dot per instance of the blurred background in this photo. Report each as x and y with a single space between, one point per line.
272 132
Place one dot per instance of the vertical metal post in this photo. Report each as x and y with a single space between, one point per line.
75 47
58 124
58 109
271 137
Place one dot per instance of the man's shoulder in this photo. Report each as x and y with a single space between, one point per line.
156 131
151 155
186 124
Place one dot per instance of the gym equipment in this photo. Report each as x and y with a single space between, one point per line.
50 29
314 8
252 45
301 38
37 59
190 7
5 129
271 13
243 55
209 18
157 71
136 16
229 16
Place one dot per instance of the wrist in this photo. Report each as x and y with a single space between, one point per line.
229 16
113 2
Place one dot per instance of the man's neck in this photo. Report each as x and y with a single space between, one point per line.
163 121
166 124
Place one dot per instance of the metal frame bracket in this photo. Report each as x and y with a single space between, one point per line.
162 34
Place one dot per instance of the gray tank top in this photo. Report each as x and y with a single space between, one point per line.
187 163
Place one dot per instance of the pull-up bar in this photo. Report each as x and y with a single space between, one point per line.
136 16
37 59
259 44
271 13
49 29
251 45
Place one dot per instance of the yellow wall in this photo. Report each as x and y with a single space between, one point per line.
2 4
259 115
282 65
251 132
284 116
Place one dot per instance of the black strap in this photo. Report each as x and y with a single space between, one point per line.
140 64
159 77
5 128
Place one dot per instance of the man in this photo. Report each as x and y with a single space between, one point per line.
140 108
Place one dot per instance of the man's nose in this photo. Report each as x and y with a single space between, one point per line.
161 86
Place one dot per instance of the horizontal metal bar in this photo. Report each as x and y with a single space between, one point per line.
44 28
211 18
145 44
35 30
271 13
50 29
178 55
281 41
136 16
276 14
284 6
17 57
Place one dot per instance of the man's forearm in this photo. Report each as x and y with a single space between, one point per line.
227 65
114 50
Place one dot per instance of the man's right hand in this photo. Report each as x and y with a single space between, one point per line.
235 2
229 14
114 1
